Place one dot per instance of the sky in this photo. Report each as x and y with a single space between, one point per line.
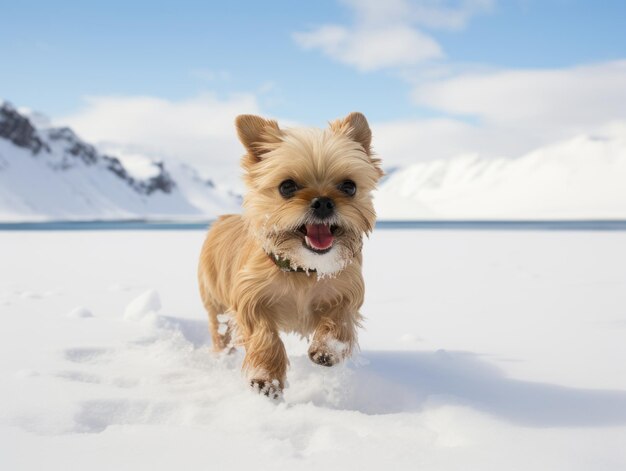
435 78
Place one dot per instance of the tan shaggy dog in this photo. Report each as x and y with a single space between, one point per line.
292 261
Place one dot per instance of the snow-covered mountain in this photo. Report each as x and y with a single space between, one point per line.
49 173
582 178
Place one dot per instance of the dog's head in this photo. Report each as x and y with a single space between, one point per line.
309 196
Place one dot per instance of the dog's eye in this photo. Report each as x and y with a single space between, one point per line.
288 188
348 187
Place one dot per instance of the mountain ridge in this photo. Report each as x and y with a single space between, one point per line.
51 173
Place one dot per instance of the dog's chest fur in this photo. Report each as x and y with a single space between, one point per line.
298 300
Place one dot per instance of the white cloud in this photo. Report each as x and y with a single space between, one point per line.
578 96
386 34
513 111
371 48
403 142
435 14
198 130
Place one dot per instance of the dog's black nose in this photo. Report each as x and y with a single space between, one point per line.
322 207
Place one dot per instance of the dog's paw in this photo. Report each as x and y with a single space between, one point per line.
323 358
266 387
328 351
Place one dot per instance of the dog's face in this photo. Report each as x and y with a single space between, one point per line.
309 190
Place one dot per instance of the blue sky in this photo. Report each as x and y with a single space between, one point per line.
410 65
55 53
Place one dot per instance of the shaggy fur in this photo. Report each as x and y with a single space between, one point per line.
250 299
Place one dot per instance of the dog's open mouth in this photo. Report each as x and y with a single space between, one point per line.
318 238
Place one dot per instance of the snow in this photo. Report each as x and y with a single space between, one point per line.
144 305
31 190
325 265
481 350
581 178
137 165
80 312
70 180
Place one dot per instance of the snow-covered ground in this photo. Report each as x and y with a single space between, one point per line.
482 350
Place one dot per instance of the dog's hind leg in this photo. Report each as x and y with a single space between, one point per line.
220 326
221 330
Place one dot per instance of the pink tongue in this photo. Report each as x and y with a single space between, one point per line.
319 236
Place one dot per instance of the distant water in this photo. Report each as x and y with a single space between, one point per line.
141 225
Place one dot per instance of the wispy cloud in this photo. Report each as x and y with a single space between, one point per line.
372 48
198 130
210 75
390 34
573 97
434 14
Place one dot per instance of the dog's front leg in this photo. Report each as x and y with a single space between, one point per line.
266 360
335 336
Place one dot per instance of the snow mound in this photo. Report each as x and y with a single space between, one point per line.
144 305
80 313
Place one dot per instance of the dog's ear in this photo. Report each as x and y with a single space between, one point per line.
356 128
257 134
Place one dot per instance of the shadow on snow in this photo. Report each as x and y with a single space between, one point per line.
401 381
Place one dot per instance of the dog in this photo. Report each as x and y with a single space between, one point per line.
292 261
